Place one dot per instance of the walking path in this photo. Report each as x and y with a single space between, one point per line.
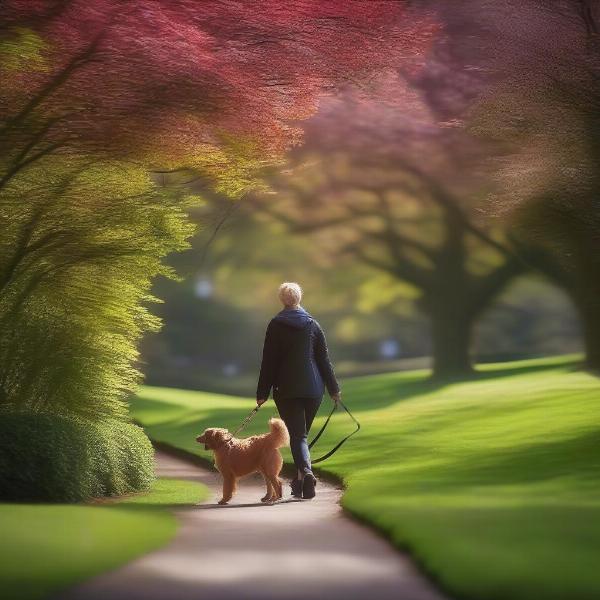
294 550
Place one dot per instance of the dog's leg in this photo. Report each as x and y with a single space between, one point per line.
277 487
270 491
228 488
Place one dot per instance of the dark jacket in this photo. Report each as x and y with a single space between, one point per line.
295 361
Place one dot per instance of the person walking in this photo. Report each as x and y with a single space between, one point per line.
296 367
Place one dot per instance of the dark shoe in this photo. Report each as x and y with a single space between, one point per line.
308 486
296 486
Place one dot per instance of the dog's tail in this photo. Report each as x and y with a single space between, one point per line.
279 433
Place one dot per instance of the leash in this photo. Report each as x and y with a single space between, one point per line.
340 443
253 412
246 421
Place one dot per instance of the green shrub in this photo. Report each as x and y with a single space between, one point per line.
54 458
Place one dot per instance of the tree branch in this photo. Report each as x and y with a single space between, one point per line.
419 277
486 287
30 159
55 83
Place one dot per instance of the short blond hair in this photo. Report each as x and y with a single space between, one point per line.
290 293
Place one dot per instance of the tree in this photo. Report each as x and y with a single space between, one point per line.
381 207
79 256
373 222
542 111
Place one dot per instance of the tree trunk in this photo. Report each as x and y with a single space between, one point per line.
571 261
588 305
451 339
585 295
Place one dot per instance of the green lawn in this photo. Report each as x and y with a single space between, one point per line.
44 548
493 484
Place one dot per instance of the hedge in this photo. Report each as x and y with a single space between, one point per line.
54 458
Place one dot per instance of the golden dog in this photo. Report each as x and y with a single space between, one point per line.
235 458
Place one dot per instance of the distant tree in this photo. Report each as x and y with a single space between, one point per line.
433 250
394 190
542 111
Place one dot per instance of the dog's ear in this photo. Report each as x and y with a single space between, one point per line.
220 436
214 438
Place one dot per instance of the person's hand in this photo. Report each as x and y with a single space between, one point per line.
260 401
336 398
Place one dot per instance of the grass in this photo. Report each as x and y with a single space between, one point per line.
45 548
492 483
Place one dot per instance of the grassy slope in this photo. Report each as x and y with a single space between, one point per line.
493 484
44 548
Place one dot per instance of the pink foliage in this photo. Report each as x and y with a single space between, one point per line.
158 77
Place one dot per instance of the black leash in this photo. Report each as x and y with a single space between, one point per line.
319 434
340 443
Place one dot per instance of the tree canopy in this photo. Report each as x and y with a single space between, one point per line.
217 86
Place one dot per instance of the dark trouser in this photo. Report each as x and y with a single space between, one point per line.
298 415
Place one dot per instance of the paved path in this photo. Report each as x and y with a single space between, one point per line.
290 551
